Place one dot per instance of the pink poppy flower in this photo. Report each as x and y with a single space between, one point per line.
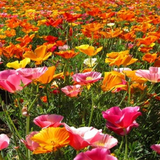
106 141
4 141
121 121
85 136
31 145
46 121
152 75
11 81
32 73
95 154
71 91
87 77
156 148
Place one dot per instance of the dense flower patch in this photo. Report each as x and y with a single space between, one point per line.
79 79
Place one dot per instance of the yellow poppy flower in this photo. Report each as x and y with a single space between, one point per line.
17 64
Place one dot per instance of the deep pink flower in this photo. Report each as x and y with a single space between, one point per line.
52 120
152 75
11 81
4 141
87 77
121 121
31 145
71 91
156 148
32 73
95 154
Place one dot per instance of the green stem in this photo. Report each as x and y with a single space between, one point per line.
1 158
92 108
126 148
129 94
120 147
122 99
28 153
11 122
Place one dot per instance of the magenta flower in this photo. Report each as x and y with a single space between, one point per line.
72 91
32 73
31 145
11 81
4 141
156 148
121 121
95 154
86 78
45 121
152 75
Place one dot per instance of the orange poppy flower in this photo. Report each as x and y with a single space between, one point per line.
89 50
157 62
13 51
126 15
71 18
60 43
13 23
92 27
24 41
54 23
145 49
130 36
10 33
44 99
120 58
47 76
112 33
67 54
149 57
50 139
147 40
136 87
39 55
133 77
113 81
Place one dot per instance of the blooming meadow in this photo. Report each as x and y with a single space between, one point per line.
79 80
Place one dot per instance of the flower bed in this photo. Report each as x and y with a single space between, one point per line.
79 79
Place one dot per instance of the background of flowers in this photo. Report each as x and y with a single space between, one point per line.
65 37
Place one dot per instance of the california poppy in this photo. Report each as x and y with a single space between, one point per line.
47 76
50 139
67 54
89 50
120 58
113 81
39 55
149 57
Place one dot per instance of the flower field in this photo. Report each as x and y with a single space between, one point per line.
79 80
